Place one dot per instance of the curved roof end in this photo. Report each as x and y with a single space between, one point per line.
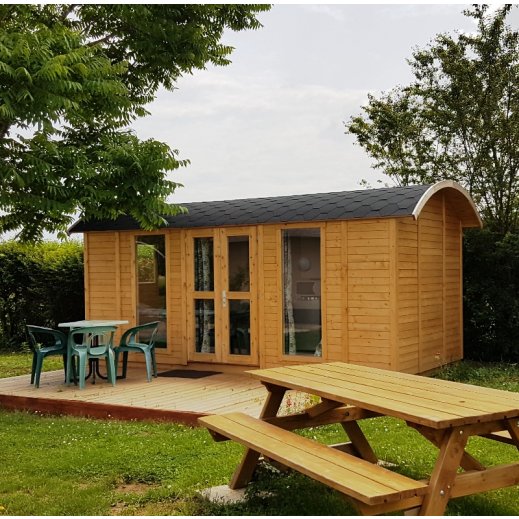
459 198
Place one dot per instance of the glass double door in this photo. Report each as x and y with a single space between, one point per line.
222 296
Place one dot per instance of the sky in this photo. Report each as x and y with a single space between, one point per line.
272 122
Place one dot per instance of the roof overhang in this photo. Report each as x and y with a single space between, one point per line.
459 198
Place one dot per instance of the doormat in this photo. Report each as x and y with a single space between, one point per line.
187 373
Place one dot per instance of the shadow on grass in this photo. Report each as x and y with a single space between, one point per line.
284 494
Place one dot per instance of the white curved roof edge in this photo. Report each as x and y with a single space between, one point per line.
443 185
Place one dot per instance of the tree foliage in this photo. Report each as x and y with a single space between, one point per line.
72 79
458 119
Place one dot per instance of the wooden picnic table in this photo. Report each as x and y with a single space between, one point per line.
445 413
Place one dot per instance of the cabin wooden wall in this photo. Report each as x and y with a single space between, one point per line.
110 290
355 293
430 304
368 289
391 289
408 310
101 276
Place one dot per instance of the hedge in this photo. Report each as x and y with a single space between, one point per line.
40 284
491 296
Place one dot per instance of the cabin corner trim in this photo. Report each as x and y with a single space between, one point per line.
447 184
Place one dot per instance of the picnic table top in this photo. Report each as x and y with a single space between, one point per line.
422 400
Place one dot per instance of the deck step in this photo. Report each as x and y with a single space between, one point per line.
368 483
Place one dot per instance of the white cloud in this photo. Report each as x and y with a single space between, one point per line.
332 11
248 139
271 123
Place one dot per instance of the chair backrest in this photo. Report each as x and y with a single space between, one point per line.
39 337
130 335
96 340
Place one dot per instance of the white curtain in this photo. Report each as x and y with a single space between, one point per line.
287 290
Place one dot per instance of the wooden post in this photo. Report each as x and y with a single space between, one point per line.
243 473
359 441
444 473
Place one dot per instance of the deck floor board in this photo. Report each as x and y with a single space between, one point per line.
192 397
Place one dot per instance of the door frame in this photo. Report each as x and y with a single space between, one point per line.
221 321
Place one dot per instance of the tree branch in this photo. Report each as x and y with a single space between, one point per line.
67 11
4 128
106 39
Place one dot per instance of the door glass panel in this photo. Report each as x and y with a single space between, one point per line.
302 292
151 283
204 265
204 326
239 327
239 263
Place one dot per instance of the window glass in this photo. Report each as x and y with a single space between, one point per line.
239 264
151 284
204 265
239 327
302 291
204 325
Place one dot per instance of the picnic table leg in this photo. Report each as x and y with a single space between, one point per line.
467 462
444 473
513 429
243 473
359 441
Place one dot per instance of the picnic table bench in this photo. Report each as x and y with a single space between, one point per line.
353 476
445 413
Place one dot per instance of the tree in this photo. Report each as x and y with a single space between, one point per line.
72 79
458 119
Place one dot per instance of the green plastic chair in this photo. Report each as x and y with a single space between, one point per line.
129 344
91 343
45 342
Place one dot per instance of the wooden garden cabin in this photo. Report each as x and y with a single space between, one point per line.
372 277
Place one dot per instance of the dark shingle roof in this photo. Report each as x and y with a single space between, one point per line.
346 205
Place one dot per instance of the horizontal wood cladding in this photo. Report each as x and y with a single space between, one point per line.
407 314
102 273
439 284
390 289
368 292
332 294
271 300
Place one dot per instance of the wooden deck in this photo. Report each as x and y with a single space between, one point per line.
165 398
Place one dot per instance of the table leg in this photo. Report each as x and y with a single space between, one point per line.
467 462
444 473
359 441
90 371
243 473
93 370
98 373
513 429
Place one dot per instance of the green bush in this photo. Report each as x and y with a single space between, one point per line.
40 284
491 296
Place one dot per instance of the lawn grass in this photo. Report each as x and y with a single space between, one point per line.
74 466
14 364
497 375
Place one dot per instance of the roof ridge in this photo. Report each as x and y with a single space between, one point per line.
328 193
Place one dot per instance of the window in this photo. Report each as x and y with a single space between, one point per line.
302 291
204 264
204 307
150 254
